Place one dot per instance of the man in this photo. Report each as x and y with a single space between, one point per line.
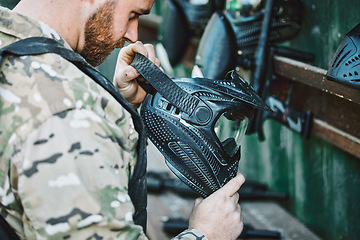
68 149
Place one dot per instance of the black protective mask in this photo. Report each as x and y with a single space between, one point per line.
345 65
197 124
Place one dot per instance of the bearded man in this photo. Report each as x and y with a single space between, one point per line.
69 150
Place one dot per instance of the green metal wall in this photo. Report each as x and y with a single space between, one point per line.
322 180
325 24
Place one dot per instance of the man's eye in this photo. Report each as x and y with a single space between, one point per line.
133 16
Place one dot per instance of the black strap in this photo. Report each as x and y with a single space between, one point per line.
164 85
10 232
137 185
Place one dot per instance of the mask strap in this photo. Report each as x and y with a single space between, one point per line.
164 85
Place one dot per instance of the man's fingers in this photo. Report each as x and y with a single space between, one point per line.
127 75
147 50
152 55
158 63
236 197
198 201
127 53
150 52
233 185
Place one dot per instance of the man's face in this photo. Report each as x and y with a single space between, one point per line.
115 22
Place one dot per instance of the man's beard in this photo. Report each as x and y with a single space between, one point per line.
99 36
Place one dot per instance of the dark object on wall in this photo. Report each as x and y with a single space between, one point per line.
345 65
184 20
299 122
231 38
216 54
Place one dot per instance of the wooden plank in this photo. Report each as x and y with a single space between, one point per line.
270 216
335 107
314 77
338 112
337 137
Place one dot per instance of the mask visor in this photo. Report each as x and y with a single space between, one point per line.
246 7
230 130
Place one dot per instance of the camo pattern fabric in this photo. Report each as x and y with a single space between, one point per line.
67 148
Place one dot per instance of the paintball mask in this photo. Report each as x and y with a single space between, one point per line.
231 37
345 65
184 19
197 124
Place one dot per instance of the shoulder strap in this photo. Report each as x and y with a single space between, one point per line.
42 45
9 231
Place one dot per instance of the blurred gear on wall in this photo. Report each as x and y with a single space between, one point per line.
345 65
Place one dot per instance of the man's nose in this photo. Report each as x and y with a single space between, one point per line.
132 33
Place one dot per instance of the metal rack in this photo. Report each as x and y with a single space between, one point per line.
335 107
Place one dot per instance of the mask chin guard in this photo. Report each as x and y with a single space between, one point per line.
181 119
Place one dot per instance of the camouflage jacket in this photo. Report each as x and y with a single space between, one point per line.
67 148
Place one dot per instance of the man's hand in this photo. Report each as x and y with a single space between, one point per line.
125 75
219 215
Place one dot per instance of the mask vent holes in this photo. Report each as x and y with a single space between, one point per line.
342 58
158 127
168 107
354 74
205 147
337 56
353 60
193 162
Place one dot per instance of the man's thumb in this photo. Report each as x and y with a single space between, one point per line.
233 185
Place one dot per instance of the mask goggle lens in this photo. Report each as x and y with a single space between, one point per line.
246 7
230 130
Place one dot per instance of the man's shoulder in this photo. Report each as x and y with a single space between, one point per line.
34 88
45 79
17 26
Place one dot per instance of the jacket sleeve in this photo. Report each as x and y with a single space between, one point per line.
73 173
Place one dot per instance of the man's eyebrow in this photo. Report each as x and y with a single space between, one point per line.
144 11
